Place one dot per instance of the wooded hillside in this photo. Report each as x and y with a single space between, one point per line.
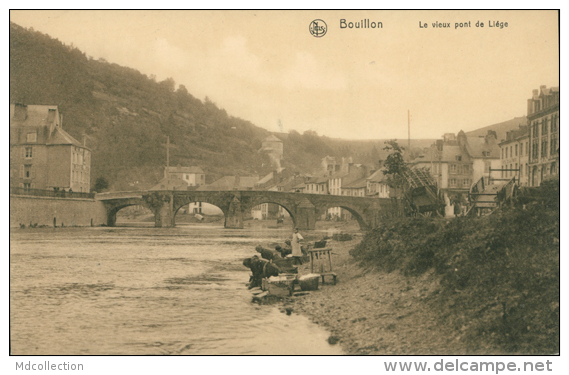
127 117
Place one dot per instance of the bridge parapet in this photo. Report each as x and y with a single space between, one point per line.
119 195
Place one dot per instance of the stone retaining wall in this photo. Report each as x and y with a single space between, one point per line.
69 211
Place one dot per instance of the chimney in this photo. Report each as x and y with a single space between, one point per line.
439 144
542 87
491 135
20 112
530 107
535 92
84 140
461 138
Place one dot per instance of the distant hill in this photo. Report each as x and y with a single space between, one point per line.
128 116
500 128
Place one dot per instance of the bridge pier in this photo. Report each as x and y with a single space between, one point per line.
111 218
164 215
306 215
234 215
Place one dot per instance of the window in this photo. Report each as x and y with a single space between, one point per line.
458 157
534 129
453 168
27 186
544 147
27 171
544 127
466 182
29 152
502 153
527 148
32 137
452 182
553 147
553 168
534 150
554 123
521 149
511 172
517 167
511 153
516 149
506 152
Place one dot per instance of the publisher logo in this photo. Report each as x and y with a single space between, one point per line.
318 28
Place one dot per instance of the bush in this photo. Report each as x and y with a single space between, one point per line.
499 274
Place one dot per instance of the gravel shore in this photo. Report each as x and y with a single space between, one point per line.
371 312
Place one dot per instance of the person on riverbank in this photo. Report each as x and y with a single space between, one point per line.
295 244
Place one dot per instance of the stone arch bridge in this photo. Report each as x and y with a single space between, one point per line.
304 209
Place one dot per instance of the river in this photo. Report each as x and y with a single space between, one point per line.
147 291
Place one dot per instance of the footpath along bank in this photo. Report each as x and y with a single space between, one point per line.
373 312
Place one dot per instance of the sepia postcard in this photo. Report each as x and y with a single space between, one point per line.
284 182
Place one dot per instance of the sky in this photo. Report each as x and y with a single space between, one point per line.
266 66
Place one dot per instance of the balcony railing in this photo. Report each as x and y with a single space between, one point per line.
50 193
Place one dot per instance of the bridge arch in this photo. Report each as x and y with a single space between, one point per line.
258 202
113 207
358 213
184 200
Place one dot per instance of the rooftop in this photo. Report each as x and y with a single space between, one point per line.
231 183
180 169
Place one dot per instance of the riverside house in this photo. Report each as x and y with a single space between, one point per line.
543 122
42 154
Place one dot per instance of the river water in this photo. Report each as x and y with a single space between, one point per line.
146 291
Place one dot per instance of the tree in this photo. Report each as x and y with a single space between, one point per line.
169 84
101 184
394 164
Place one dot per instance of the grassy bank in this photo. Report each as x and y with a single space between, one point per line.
499 275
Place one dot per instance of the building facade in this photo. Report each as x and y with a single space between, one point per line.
330 165
317 185
514 155
377 186
456 162
181 178
42 154
543 124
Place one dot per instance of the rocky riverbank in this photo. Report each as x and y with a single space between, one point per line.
371 312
